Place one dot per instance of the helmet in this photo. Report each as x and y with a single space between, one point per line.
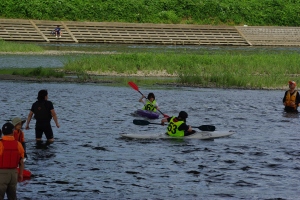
183 115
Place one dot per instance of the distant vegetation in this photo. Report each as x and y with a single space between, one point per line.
255 70
33 72
19 47
214 12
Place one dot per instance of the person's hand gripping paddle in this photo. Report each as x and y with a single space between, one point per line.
135 87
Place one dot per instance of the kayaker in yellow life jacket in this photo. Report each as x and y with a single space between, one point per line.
291 99
177 126
150 102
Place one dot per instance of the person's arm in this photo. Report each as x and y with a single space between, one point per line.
156 106
141 99
53 113
185 127
28 119
21 168
283 100
298 99
165 120
21 162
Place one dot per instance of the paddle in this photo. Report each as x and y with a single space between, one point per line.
202 127
135 87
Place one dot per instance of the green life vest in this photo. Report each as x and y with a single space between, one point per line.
150 105
173 126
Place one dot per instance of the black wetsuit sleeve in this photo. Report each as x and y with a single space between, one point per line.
283 100
297 98
32 107
183 127
50 105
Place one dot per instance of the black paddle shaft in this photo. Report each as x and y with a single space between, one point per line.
202 127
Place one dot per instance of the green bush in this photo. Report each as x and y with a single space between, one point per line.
230 12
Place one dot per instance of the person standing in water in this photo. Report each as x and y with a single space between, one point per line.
19 134
11 156
43 111
150 103
291 99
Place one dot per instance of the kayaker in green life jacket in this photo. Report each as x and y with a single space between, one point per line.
291 99
177 126
149 102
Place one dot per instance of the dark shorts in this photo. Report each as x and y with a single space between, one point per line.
43 127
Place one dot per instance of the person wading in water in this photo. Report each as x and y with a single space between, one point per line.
43 111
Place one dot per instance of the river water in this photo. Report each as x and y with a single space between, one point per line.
89 160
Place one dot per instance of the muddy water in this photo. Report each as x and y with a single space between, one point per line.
90 161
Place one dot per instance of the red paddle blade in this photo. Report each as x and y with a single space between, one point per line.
166 116
133 85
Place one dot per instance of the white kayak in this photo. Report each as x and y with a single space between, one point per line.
202 135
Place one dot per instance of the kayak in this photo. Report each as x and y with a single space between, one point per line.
148 114
202 135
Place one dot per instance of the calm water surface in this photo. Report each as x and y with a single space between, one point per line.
89 160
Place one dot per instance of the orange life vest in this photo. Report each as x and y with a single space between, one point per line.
10 157
19 135
291 98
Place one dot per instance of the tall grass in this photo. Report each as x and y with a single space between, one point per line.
18 47
256 70
34 72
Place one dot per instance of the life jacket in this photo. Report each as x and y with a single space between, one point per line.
173 126
150 106
10 157
41 113
291 98
19 135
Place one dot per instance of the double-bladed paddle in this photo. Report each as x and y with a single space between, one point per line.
202 127
135 87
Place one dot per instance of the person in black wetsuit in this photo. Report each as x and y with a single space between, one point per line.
43 111
291 99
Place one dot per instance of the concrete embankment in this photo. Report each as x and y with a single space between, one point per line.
164 34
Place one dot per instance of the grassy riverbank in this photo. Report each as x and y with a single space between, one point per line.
19 47
251 70
254 12
255 70
38 72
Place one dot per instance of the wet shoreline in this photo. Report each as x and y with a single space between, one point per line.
105 80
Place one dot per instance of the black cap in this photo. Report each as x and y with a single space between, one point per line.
7 128
183 115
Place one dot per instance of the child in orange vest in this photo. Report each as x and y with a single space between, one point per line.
18 133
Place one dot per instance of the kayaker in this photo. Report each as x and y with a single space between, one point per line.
291 99
150 102
11 156
43 111
18 133
177 126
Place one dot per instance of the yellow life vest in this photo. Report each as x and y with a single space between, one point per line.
173 126
150 106
291 98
